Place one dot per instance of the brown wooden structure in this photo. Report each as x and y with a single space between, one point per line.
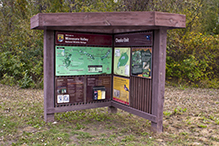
146 94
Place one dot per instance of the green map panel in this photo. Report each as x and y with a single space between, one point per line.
74 60
122 61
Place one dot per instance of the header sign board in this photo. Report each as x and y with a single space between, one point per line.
83 39
134 39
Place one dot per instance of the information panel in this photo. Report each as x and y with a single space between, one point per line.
141 62
121 90
69 90
96 82
122 61
75 60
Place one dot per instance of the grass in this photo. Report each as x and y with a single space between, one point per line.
22 123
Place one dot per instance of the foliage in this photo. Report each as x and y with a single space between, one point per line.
21 49
192 53
193 58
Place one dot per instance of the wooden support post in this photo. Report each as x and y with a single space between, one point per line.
48 74
158 85
112 110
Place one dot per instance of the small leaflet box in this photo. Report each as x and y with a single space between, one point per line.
99 93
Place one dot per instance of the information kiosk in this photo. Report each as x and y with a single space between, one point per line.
114 59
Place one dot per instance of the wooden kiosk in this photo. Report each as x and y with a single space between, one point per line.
113 59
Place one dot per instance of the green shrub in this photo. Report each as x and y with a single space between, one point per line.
193 58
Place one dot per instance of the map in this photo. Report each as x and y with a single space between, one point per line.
74 60
122 61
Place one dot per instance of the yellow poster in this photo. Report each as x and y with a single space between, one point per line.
121 90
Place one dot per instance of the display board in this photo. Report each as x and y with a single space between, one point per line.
122 61
97 83
75 60
141 62
121 90
69 90
81 89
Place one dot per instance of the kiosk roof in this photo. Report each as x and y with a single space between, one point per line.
107 22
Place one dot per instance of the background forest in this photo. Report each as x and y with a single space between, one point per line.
192 53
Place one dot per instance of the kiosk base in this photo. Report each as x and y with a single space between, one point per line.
112 110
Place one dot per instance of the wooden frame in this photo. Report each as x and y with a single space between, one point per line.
48 74
109 23
158 84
